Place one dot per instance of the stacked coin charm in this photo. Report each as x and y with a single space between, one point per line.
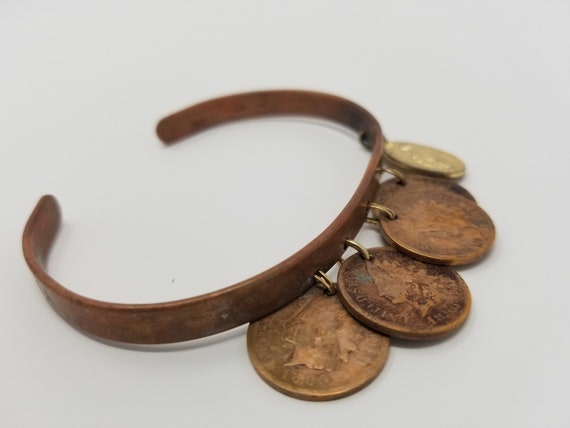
431 219
314 349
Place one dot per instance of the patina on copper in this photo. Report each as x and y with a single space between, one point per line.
439 226
314 350
245 301
402 297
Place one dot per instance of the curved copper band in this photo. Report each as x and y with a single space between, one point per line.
214 312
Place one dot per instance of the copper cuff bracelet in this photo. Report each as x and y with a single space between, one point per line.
248 300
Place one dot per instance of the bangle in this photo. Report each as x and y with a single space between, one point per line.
248 300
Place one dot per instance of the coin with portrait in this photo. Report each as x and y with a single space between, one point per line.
314 349
402 297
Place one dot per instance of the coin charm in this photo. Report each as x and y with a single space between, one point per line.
403 297
437 226
314 350
420 159
413 181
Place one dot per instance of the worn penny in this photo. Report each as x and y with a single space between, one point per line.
314 349
420 159
438 226
403 297
389 187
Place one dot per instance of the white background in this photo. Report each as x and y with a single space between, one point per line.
82 85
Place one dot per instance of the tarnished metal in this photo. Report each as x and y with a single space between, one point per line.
314 350
229 307
403 297
438 226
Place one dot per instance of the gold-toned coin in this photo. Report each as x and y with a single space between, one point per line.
420 159
314 350
388 188
438 226
403 297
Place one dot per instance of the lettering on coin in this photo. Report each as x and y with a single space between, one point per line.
403 297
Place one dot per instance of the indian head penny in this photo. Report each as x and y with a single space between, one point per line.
420 159
437 226
403 297
314 349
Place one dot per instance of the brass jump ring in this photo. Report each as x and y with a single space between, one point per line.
358 247
390 214
328 285
396 173
373 221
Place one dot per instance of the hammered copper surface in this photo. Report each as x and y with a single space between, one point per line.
438 226
314 350
388 188
420 159
403 297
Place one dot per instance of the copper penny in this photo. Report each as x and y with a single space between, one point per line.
438 226
420 159
388 188
314 350
403 297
